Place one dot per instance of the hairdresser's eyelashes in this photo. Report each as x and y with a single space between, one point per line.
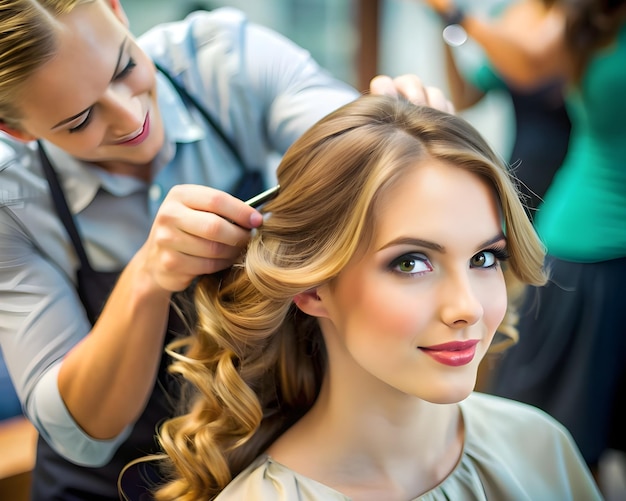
83 124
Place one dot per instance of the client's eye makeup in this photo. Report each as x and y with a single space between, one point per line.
411 263
489 258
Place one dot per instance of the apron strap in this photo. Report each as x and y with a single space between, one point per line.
184 93
251 181
63 211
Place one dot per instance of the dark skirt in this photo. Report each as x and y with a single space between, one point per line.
571 357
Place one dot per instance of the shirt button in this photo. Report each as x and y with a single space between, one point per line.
155 192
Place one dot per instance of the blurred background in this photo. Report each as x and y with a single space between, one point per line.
355 40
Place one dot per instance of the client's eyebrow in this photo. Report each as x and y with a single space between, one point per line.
416 242
487 243
117 64
427 244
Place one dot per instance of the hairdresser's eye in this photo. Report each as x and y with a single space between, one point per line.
411 264
488 258
127 69
82 125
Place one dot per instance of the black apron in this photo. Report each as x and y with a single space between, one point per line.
56 479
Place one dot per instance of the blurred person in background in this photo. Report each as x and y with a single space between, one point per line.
541 124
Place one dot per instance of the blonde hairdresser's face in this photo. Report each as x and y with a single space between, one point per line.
96 98
416 313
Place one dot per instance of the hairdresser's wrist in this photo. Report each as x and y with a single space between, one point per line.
452 15
453 33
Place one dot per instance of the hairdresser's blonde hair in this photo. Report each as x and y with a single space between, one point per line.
255 363
27 41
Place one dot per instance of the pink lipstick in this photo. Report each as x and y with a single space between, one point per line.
455 354
141 136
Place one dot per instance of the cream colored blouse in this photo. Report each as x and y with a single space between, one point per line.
512 452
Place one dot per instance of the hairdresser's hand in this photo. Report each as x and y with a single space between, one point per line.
411 88
198 230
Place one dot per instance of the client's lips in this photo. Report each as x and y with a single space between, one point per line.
455 354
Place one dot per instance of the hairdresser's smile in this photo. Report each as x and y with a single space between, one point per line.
418 310
137 137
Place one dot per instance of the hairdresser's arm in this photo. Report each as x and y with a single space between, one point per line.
289 84
41 320
527 51
84 390
464 95
106 379
296 91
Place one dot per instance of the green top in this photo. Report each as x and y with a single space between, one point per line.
583 217
485 79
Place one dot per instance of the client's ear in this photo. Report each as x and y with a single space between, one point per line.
20 135
310 303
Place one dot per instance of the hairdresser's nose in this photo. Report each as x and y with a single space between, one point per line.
124 112
460 305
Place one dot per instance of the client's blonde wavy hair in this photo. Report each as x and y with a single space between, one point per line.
254 362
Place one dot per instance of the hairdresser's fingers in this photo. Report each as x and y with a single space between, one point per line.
173 271
173 257
411 88
194 233
208 226
383 85
208 214
180 258
435 98
203 198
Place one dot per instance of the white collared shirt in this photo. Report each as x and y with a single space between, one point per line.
262 89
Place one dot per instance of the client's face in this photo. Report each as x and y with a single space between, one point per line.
419 309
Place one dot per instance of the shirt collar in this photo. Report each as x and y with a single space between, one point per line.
180 125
